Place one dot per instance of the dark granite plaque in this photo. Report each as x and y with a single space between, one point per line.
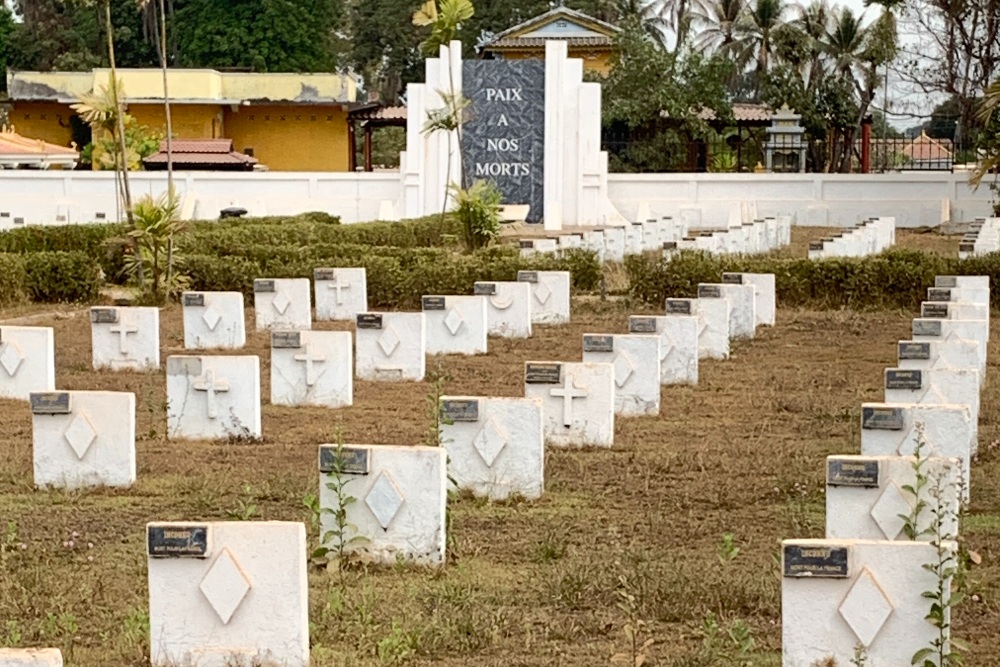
678 306
598 343
732 278
882 419
369 321
709 292
966 247
50 402
18 221
460 410
939 294
103 315
484 289
192 299
4 214
350 460
900 379
323 274
926 327
670 245
527 276
177 541
934 310
946 281
263 285
638 324
526 243
100 215
286 339
815 561
504 132
908 349
851 472
815 245
432 302
542 373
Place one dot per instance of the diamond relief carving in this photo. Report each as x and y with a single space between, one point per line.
11 358
225 586
907 444
866 608
887 510
542 292
623 369
388 341
211 317
453 321
281 302
490 441
384 499
80 434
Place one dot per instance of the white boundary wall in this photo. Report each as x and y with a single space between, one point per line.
704 200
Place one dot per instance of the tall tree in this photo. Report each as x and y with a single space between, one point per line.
385 46
756 32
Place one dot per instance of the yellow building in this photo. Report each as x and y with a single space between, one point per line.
587 38
289 122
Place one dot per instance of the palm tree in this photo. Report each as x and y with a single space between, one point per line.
662 16
716 22
756 30
814 21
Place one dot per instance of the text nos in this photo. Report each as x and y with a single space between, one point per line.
503 169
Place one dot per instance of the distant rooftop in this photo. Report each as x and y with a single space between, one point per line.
207 154
17 151
559 23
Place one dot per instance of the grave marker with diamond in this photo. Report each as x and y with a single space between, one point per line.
549 295
742 307
282 303
951 330
578 402
875 600
496 447
764 294
945 386
400 493
455 324
213 320
83 439
340 293
391 346
678 334
636 362
312 368
712 310
508 307
27 361
239 599
125 338
932 353
213 397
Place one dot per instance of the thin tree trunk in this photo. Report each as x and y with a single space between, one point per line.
166 100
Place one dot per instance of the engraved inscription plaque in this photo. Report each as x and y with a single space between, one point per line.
732 278
369 321
104 315
909 349
887 419
263 285
815 561
926 327
527 276
177 541
678 306
50 402
484 289
709 292
903 379
598 343
641 324
460 410
349 460
194 299
323 274
432 303
542 373
286 339
852 472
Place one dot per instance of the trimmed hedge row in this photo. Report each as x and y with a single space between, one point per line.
50 277
897 278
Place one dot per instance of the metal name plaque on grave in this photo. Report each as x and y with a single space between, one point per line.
323 274
900 379
536 373
966 247
670 245
642 324
286 339
523 243
460 410
504 134
104 315
815 245
598 343
432 303
527 276
939 294
911 350
346 461
926 328
808 561
732 278
484 289
369 321
263 285
177 541
194 299
678 307
934 310
50 403
709 292
883 419
852 472
946 281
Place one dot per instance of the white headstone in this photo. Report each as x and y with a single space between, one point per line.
678 334
312 368
837 594
713 322
213 320
340 293
949 330
929 354
213 397
636 362
390 346
891 429
549 295
455 324
282 303
27 361
974 288
83 438
508 307
742 314
633 239
939 386
125 338
867 496
763 291
614 244
228 593
30 657
399 508
578 402
496 447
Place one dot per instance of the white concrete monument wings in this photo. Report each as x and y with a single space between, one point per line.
455 324
496 446
340 293
509 307
549 295
578 402
282 303
125 338
678 342
400 492
213 397
83 438
636 362
228 593
27 361
312 368
390 346
213 320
